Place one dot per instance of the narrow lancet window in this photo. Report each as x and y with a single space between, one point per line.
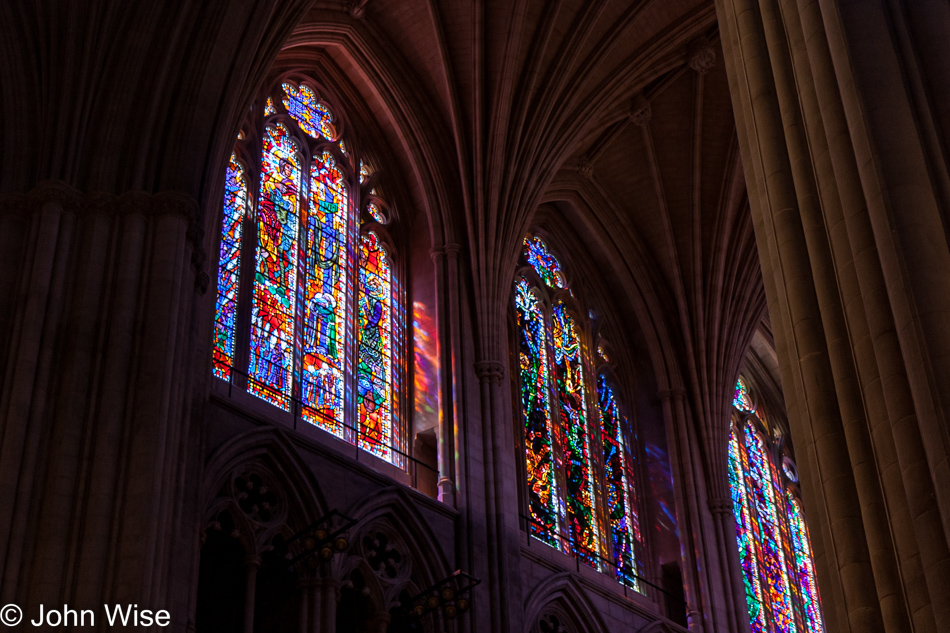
270 368
536 413
620 496
375 348
229 269
572 405
325 297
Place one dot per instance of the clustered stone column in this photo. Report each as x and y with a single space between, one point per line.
97 293
845 161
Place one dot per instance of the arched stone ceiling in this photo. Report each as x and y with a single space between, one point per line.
528 102
513 91
666 191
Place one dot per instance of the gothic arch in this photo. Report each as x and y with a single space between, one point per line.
660 626
562 596
396 516
375 90
268 453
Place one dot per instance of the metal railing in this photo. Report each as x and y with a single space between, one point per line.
567 547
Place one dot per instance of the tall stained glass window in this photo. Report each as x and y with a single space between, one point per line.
270 370
572 503
229 268
536 412
321 316
374 382
572 405
620 492
774 549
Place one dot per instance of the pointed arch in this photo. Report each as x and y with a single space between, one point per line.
270 450
392 509
562 595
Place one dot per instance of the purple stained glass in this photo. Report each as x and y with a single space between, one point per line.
271 362
311 115
325 297
229 269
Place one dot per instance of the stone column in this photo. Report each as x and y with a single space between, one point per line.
732 582
303 617
95 392
845 174
251 565
329 598
446 270
503 529
686 511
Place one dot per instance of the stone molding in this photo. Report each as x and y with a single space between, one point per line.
676 393
57 194
720 506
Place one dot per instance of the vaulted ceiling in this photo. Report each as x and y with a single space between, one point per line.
613 118
486 110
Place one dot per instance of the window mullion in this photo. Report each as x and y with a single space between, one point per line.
351 273
303 236
558 435
249 243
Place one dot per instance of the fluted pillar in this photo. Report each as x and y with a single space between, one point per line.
847 185
700 613
95 388
502 521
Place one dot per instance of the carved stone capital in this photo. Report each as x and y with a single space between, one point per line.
676 393
719 507
55 193
490 371
701 55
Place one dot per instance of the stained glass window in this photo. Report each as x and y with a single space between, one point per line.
375 212
374 400
321 316
313 116
325 300
572 405
620 493
581 492
804 566
536 413
275 291
741 399
543 262
229 268
774 550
